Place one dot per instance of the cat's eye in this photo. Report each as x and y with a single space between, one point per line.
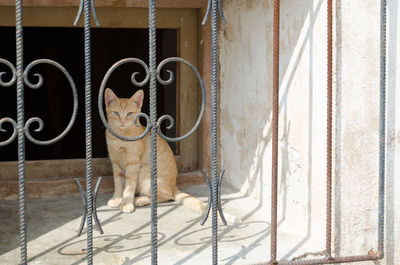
130 113
116 113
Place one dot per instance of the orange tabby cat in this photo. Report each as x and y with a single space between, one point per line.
131 160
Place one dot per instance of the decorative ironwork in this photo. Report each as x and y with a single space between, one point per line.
154 125
84 203
221 12
134 82
215 7
39 84
14 134
142 83
221 214
38 120
21 128
93 9
13 71
153 75
86 6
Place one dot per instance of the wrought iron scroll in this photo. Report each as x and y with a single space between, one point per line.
153 75
39 84
20 127
134 82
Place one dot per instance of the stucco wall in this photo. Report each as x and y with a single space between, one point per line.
245 116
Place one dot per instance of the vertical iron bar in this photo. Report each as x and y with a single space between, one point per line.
153 132
214 150
88 131
20 127
329 135
275 127
382 132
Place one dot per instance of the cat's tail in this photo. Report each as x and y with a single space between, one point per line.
189 201
198 206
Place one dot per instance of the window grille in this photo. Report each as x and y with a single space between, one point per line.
21 128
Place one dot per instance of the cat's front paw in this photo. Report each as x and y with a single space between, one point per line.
114 202
127 206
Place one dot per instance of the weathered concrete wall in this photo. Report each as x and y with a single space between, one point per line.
245 108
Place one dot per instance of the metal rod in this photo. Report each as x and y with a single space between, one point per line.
20 129
382 131
219 205
275 127
84 206
207 212
93 9
214 137
328 230
88 132
96 219
153 131
221 12
334 260
372 255
84 209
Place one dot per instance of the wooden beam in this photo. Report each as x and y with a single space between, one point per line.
64 187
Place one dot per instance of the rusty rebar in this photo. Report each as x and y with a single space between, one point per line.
372 255
333 260
329 136
275 131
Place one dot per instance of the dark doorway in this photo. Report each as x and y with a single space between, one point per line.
53 101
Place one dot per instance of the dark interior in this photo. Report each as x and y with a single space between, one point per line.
53 101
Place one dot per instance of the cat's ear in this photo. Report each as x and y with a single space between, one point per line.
137 98
109 97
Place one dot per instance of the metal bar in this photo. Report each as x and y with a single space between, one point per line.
88 132
382 131
275 127
96 219
219 205
93 9
334 260
221 12
372 255
153 131
78 16
84 209
214 137
328 231
207 212
20 128
84 206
